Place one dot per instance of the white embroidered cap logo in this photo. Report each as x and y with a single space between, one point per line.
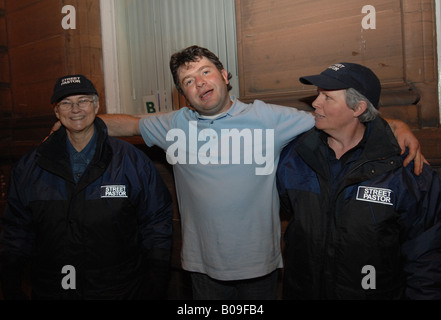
70 80
336 66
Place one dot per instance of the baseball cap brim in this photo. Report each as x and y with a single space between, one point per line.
69 92
324 82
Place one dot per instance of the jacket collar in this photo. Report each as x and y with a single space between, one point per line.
380 145
52 154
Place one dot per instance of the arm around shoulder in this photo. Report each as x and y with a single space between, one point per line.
121 125
406 138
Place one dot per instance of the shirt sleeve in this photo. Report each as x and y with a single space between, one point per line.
154 128
288 122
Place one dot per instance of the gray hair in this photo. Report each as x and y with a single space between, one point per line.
95 99
353 98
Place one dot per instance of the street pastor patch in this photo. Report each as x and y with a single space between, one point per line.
114 191
376 195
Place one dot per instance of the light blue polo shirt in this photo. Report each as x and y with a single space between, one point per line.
224 172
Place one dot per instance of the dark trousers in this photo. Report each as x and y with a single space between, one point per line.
262 288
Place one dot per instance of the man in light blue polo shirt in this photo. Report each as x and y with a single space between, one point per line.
225 155
224 170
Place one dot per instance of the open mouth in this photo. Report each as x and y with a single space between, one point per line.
206 94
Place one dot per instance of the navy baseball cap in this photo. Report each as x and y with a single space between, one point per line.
72 85
346 75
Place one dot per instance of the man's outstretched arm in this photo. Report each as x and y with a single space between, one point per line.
121 125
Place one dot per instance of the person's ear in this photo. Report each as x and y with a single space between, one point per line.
56 111
360 108
225 76
97 107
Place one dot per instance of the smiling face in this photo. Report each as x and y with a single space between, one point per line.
205 87
78 119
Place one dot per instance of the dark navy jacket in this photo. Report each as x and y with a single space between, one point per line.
111 227
372 233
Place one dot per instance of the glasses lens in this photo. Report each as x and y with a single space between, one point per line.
84 103
65 105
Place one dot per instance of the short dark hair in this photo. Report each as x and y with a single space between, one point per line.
192 54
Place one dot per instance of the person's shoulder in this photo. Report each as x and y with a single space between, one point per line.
29 156
300 141
282 113
312 133
171 117
427 174
262 104
27 163
265 105
427 177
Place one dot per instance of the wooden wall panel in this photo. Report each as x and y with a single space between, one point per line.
5 76
279 41
34 66
33 22
5 91
4 66
19 4
41 50
5 102
294 38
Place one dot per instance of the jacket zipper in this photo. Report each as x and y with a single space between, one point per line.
332 215
330 231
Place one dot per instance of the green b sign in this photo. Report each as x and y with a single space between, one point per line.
150 107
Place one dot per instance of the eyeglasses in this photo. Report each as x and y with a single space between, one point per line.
68 105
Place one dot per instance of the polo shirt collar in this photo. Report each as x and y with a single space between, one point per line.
235 109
